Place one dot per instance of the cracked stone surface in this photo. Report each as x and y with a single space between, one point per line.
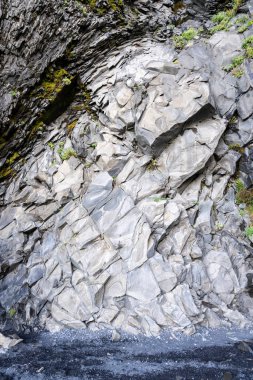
139 228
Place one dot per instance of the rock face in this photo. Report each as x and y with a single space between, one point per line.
121 210
6 342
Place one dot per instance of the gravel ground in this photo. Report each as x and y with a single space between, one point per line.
80 355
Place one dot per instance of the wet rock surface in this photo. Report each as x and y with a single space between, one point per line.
124 213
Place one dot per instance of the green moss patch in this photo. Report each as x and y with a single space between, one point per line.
222 20
188 35
54 82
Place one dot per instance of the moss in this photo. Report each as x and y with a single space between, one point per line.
245 27
237 72
239 185
116 6
71 126
236 61
59 88
55 80
245 196
15 93
238 148
87 165
6 172
242 20
247 42
78 107
113 5
152 165
12 312
219 17
235 7
236 66
37 126
65 154
188 35
13 158
249 231
233 120
219 226
159 199
223 25
7 169
3 142
178 6
222 20
249 52
85 105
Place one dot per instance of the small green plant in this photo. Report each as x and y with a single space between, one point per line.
219 17
243 28
244 24
84 11
245 196
152 165
233 120
239 185
13 158
12 312
71 126
66 81
247 45
247 42
53 163
15 93
87 165
235 67
219 226
65 154
242 20
54 82
249 52
242 213
93 145
237 147
159 199
237 72
222 20
188 35
249 231
51 145
238 60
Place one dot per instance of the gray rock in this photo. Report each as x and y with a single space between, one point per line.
6 342
141 231
196 145
161 122
245 105
141 284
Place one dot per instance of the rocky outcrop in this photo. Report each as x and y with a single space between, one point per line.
125 212
6 342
